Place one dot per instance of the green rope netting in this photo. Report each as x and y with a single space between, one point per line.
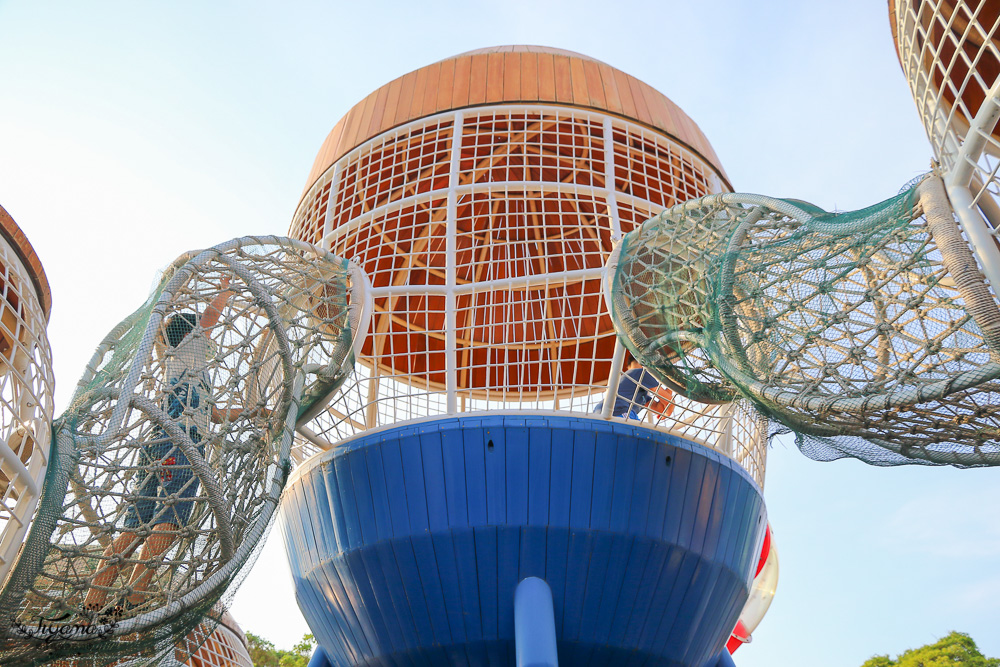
170 460
869 334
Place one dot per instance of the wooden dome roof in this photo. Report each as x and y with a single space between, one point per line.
509 75
16 238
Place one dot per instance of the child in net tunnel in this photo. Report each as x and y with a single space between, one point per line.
164 487
634 391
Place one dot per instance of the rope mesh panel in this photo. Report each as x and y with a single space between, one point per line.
869 334
171 457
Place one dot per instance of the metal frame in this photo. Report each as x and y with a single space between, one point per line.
26 403
622 171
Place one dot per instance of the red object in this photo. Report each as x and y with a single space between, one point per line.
765 550
167 475
740 635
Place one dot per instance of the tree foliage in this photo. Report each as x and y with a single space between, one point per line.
957 648
264 654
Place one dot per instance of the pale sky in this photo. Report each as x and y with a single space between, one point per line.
133 131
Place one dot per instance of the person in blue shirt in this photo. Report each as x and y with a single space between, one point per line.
632 393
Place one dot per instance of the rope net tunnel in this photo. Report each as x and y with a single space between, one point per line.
167 467
870 334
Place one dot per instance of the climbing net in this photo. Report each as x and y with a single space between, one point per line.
870 334
170 460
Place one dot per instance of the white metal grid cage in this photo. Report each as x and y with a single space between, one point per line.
950 53
26 387
225 645
485 234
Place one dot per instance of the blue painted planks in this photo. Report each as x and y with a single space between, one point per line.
539 475
408 545
496 475
582 486
486 571
560 476
434 481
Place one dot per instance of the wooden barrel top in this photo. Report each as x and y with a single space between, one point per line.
13 234
509 75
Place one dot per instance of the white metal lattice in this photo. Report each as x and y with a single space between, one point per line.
26 386
485 234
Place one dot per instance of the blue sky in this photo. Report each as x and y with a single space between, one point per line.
133 131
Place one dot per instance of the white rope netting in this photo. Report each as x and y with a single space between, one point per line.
170 460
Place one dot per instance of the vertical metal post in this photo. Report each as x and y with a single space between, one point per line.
320 658
325 229
724 659
613 376
451 259
727 436
978 233
534 624
609 180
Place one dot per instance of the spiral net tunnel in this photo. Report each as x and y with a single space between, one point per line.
169 462
870 334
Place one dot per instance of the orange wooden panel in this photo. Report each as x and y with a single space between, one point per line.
405 99
391 104
446 83
330 147
563 79
494 78
26 253
326 155
460 93
362 115
641 110
515 74
546 78
529 77
595 89
375 121
419 88
659 110
611 98
676 121
430 90
691 133
338 147
625 93
512 77
477 80
579 80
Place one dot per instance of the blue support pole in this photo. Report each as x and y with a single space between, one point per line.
723 660
534 624
320 658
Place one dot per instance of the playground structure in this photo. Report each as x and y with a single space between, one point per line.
517 219
485 232
216 644
483 196
87 586
950 53
870 334
26 385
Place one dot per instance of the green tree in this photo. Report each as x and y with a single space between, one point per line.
957 648
262 652
300 653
